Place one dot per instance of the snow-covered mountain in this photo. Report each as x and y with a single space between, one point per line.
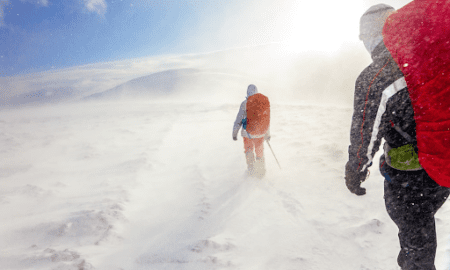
175 84
218 76
160 83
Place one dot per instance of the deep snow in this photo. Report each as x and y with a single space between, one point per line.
161 185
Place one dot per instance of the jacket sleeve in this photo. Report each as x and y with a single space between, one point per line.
242 114
367 129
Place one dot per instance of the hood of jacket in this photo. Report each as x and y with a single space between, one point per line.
371 25
251 90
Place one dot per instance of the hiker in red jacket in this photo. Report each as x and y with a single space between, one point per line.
385 108
254 117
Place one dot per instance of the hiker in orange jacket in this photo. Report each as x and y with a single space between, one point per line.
254 142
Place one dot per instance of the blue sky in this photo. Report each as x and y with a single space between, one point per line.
43 34
37 35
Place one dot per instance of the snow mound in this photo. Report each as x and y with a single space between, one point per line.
63 259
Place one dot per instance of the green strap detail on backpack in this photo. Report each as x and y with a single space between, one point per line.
404 158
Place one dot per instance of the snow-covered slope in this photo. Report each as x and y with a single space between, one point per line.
42 96
160 83
220 75
160 185
185 83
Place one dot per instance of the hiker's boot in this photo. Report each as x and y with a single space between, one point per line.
250 158
260 167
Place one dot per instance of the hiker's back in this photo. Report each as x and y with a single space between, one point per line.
258 114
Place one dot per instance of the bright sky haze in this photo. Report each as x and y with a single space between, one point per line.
38 35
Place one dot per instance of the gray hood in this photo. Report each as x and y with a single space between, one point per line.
371 25
251 90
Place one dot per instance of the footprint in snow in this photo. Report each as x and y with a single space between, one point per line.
291 205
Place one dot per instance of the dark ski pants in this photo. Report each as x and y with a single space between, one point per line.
412 199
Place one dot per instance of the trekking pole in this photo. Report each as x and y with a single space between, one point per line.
273 154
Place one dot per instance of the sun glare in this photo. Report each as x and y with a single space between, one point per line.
318 26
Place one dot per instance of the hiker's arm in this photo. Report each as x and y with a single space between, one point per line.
360 135
365 140
365 134
238 122
353 176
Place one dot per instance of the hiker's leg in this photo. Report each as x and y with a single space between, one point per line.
248 145
412 199
260 165
259 147
249 156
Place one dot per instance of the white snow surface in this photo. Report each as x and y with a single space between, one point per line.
161 185
145 175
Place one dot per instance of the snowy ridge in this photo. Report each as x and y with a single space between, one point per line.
160 83
141 185
41 96
185 83
219 76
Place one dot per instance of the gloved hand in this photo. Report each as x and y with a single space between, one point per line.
267 137
353 180
235 138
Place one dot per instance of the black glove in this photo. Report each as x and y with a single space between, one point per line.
235 138
353 180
